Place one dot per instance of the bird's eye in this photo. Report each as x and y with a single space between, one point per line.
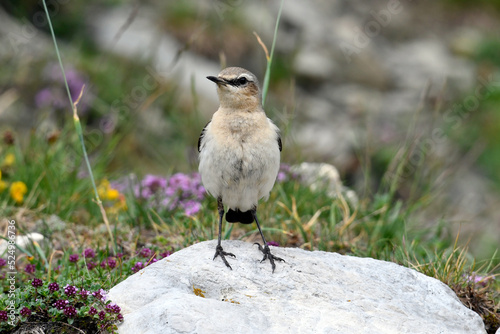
242 81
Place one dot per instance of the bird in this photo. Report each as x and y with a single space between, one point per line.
239 154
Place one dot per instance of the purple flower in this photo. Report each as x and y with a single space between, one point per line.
88 253
91 265
2 262
36 282
84 293
191 207
113 308
53 287
285 173
70 311
146 252
60 304
476 279
119 317
30 268
165 254
25 312
92 311
152 184
273 243
111 262
48 97
70 290
100 295
138 266
102 315
53 75
180 181
73 258
3 316
281 177
180 191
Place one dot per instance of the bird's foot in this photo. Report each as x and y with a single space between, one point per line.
268 255
220 252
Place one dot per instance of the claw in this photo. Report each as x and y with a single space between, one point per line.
220 252
268 255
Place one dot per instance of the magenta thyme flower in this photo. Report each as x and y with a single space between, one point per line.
73 258
36 283
84 293
3 316
60 304
92 311
191 207
2 262
165 254
88 253
100 295
53 287
70 290
70 311
30 268
25 312
102 315
273 243
138 266
111 262
180 191
91 265
146 252
113 308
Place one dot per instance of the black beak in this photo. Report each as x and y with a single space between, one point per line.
216 80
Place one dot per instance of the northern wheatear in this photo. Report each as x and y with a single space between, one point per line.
239 153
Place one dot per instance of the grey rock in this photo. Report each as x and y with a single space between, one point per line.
314 64
53 223
312 292
324 177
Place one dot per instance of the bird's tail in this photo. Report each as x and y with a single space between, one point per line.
237 216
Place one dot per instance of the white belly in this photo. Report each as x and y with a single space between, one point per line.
240 173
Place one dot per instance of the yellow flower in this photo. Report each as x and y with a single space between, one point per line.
3 184
112 194
102 189
17 191
106 193
9 160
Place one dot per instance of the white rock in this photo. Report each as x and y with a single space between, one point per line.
313 292
22 241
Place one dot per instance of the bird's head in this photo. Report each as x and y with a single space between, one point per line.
237 88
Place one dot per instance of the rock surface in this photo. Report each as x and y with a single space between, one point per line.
313 292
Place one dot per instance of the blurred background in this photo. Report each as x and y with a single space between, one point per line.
394 93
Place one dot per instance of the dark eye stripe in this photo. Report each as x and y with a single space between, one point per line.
239 81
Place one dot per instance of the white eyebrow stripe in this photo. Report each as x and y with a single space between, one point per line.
246 75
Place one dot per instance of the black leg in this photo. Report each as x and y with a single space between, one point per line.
218 250
265 249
